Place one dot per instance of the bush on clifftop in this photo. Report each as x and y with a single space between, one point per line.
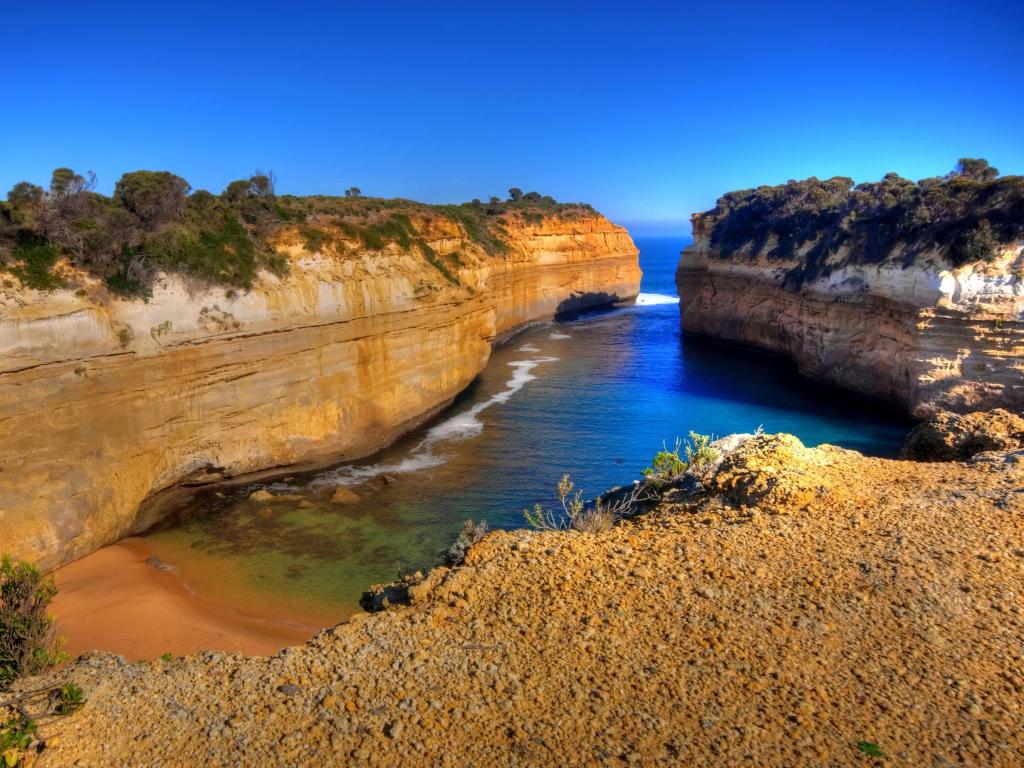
965 215
154 222
27 643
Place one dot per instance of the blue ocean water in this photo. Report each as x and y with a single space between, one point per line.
595 397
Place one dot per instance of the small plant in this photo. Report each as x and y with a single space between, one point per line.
666 465
698 456
166 656
17 734
470 534
870 749
71 699
575 514
20 740
27 644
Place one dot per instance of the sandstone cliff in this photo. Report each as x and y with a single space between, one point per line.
912 327
105 402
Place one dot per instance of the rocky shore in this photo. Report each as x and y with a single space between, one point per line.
810 607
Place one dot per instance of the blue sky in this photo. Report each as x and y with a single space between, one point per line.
647 110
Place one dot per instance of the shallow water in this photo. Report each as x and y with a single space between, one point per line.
595 397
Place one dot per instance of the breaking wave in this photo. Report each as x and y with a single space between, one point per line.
458 427
653 299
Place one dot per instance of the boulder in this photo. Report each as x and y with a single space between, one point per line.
957 437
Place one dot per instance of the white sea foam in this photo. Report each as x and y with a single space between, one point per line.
559 336
457 427
652 299
528 348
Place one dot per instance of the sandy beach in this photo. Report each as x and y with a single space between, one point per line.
114 600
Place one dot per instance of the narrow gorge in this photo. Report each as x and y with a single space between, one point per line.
109 405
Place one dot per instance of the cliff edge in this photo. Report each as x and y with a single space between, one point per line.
809 608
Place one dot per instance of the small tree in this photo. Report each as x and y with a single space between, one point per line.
515 193
353 192
24 194
153 196
64 182
27 644
976 169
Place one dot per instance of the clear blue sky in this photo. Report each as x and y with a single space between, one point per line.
647 110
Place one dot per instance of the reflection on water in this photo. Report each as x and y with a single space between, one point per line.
595 397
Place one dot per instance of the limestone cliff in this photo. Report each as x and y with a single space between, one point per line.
921 331
105 401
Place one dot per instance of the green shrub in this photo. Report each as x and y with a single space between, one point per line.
315 239
70 699
700 455
17 733
697 455
666 465
153 196
222 252
976 244
27 644
436 262
33 265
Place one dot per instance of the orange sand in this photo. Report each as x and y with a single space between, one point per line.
114 601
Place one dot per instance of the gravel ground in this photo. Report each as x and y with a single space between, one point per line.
815 600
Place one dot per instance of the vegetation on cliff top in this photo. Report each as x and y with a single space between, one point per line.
154 222
27 643
965 216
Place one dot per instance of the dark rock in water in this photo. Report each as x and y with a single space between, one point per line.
380 596
155 562
957 437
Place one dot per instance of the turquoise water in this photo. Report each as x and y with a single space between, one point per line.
595 397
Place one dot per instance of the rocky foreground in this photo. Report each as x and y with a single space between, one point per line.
813 607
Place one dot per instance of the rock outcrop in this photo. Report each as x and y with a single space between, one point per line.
958 437
106 402
759 624
908 325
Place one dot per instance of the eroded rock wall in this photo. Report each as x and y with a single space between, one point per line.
106 402
928 337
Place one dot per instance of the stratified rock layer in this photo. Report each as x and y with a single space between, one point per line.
816 600
927 336
106 402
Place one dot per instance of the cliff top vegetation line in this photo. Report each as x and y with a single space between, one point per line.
155 222
965 216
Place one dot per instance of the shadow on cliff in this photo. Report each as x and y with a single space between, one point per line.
573 306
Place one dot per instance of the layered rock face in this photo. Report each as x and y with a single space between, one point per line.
104 403
928 336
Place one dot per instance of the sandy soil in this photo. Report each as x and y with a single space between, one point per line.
114 600
816 606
